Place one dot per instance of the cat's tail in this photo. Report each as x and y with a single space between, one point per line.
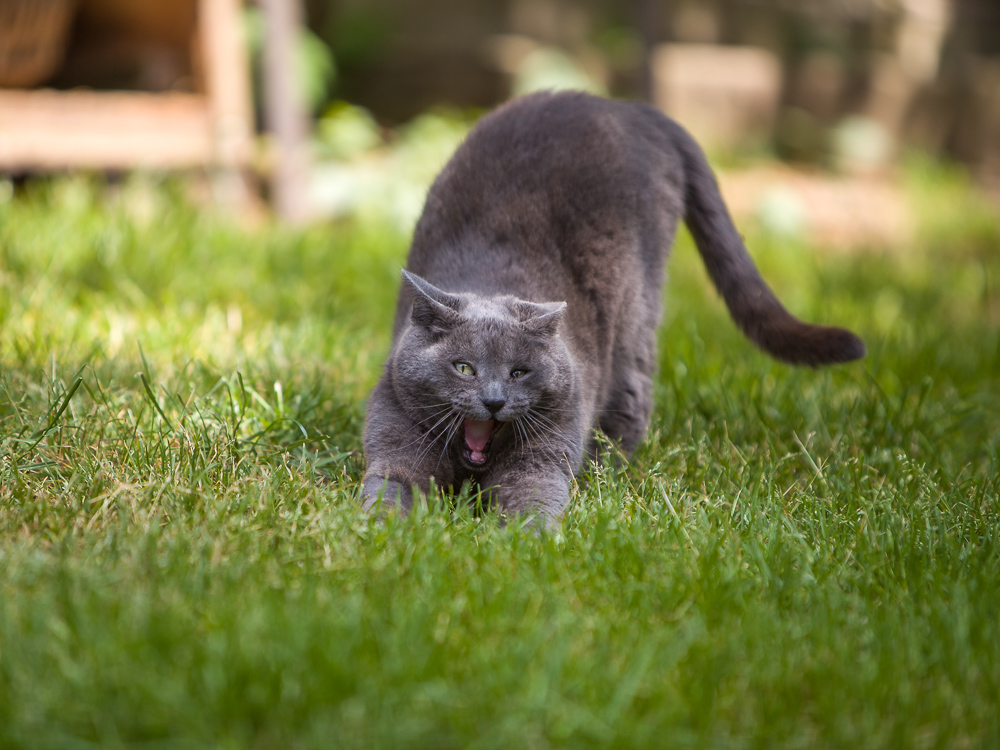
751 302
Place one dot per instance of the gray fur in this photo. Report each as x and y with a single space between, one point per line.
541 248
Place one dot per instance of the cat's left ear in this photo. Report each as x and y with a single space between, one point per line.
542 318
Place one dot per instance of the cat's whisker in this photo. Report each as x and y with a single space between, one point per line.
454 415
538 431
555 409
544 420
453 427
450 433
446 413
423 435
423 446
423 449
419 439
520 429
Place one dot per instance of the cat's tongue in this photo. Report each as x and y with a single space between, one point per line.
477 434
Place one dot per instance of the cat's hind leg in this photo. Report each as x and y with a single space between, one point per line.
627 409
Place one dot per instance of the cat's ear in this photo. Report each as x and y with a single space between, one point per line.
542 318
433 309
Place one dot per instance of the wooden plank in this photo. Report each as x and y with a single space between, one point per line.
227 81
287 119
47 129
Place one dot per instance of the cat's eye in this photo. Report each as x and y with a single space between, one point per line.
465 368
518 373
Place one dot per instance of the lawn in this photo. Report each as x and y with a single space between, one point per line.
794 558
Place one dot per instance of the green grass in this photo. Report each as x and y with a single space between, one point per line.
794 559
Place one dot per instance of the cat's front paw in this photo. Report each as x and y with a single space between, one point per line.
382 494
537 498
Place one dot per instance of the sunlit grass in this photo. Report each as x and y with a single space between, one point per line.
794 558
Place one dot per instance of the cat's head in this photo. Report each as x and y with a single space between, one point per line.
476 365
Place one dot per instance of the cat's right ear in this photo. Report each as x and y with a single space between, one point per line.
542 318
433 309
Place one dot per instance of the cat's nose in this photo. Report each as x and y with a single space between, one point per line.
493 405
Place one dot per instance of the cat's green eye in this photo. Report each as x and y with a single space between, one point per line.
465 368
518 373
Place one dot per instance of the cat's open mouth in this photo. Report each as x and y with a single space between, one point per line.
478 434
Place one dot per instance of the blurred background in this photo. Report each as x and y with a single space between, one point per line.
325 107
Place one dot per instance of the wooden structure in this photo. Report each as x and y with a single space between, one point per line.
208 125
285 112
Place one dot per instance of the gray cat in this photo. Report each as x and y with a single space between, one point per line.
528 315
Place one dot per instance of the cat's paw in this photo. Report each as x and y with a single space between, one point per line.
379 495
